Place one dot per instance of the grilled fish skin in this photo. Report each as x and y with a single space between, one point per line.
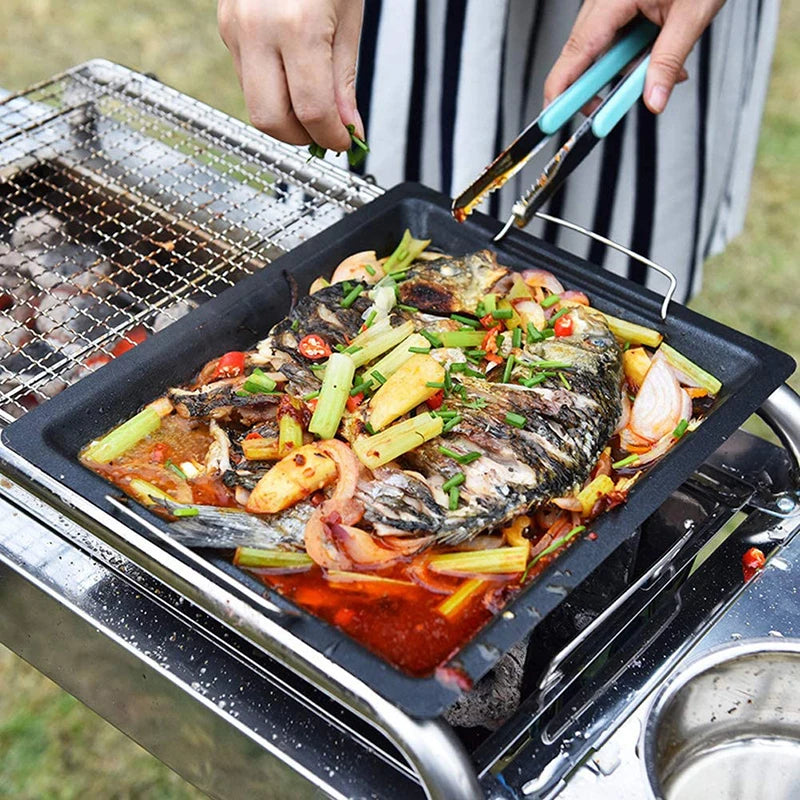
218 400
451 285
552 453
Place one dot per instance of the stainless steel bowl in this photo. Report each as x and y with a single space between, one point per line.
728 726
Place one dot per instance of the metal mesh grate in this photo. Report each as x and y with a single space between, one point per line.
124 204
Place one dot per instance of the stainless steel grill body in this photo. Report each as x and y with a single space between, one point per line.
177 202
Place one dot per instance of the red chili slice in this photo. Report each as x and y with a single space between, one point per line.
752 561
159 453
563 326
231 365
314 347
435 401
354 402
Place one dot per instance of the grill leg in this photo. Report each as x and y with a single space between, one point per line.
781 411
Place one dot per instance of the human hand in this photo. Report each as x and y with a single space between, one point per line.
296 62
682 23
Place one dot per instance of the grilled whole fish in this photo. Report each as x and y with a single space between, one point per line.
563 422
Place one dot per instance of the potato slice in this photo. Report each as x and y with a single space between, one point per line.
296 476
635 362
405 390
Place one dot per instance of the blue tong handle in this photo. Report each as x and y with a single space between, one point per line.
597 76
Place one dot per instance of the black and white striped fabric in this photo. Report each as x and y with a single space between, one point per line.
444 85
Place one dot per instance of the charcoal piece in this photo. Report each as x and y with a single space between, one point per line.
495 697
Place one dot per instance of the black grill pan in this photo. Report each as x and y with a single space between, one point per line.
51 436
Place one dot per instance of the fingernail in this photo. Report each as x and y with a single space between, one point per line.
360 125
657 98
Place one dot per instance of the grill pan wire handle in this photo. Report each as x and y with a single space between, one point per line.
573 226
781 411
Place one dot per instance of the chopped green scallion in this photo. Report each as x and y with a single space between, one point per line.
371 318
351 296
471 323
378 377
423 350
451 423
453 497
517 420
435 384
628 460
362 386
563 378
550 300
516 337
536 379
557 315
533 334
432 338
502 313
258 382
176 469
456 480
370 269
508 369
295 324
681 428
185 512
311 395
409 309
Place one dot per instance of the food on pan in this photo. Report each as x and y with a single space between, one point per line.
412 444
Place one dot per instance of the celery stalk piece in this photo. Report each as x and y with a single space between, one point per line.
462 338
290 429
497 561
123 437
631 332
375 450
461 596
144 492
276 559
333 395
696 374
395 358
344 576
405 252
379 341
290 433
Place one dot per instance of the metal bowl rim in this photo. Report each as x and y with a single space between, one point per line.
684 674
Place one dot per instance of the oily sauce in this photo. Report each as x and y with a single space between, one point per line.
399 623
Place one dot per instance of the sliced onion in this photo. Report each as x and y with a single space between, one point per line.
575 297
540 277
656 451
405 545
567 503
659 406
347 466
530 312
625 412
361 547
352 268
321 546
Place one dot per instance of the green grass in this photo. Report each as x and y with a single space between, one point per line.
51 746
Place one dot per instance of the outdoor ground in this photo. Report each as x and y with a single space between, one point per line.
51 746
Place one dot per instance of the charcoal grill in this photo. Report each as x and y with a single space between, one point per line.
181 202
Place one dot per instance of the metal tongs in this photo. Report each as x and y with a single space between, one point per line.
636 42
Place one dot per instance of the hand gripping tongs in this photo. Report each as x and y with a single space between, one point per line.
594 128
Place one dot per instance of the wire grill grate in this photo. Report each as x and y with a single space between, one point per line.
124 204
